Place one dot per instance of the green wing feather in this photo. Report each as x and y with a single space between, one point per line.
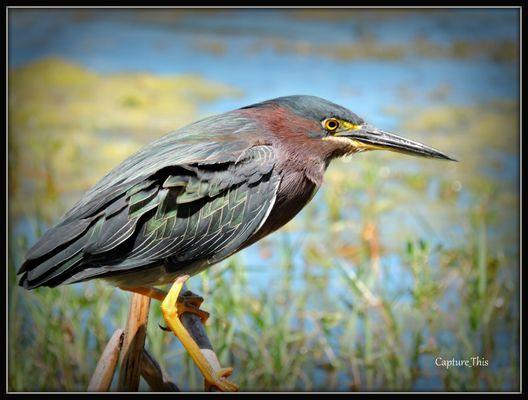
202 203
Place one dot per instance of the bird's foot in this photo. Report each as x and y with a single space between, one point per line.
219 381
172 307
190 302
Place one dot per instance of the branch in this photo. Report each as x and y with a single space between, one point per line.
104 371
196 329
193 324
133 343
154 375
135 360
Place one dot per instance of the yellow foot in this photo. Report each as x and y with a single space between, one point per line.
172 307
220 382
190 302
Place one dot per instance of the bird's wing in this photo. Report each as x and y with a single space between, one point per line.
199 211
218 139
215 140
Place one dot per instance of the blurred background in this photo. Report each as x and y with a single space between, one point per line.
395 262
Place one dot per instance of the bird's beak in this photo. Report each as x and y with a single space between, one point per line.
368 137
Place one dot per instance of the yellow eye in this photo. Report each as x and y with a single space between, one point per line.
331 124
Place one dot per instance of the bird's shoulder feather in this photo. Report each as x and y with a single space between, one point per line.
151 217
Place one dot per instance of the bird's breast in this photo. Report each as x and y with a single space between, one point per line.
294 192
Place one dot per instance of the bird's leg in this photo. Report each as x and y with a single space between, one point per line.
173 306
151 292
172 310
187 302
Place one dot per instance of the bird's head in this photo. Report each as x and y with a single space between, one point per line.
336 128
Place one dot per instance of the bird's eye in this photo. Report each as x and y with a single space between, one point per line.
331 124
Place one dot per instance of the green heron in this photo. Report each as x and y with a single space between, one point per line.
198 195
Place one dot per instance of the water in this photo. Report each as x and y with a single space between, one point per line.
110 42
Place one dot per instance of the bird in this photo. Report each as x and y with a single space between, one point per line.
199 194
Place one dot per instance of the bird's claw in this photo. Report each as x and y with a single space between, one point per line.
219 381
192 298
164 328
191 304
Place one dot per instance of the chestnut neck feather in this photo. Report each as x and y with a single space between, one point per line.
298 141
302 158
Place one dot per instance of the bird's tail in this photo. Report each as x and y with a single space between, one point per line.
56 256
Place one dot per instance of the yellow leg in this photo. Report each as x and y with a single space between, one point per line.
171 313
153 293
173 306
187 302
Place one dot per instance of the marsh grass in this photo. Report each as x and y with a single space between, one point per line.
353 334
387 269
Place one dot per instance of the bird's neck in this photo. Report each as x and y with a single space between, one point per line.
300 160
298 153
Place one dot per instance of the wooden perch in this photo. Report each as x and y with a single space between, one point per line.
154 375
104 371
128 346
133 343
194 326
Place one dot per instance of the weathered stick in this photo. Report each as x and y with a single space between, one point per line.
193 324
104 371
154 375
196 329
133 343
135 360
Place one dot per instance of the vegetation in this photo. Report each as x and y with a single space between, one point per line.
396 261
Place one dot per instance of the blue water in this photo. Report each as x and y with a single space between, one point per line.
109 42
